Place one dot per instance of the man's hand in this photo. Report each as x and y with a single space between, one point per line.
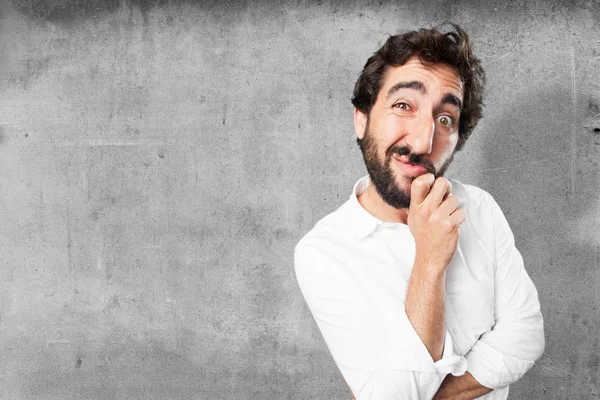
434 219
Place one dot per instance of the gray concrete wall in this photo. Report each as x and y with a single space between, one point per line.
160 159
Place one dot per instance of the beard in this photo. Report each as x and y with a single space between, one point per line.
383 177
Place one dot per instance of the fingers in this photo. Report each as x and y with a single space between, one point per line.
440 191
420 188
458 216
449 205
436 195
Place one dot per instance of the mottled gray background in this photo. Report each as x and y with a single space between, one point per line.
159 160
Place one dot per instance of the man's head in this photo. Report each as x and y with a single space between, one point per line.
416 102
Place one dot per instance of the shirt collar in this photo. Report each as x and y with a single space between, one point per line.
363 223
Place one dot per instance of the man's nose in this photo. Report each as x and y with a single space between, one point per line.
421 138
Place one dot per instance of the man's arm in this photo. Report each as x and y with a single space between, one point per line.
463 387
502 355
434 219
380 355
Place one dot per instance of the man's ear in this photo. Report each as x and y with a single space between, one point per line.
360 123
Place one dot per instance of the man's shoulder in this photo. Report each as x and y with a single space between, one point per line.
322 245
331 225
480 207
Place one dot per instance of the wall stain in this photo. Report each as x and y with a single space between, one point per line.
593 106
29 70
64 11
67 12
122 368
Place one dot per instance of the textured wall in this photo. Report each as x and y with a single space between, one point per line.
159 160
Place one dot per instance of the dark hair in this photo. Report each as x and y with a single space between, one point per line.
431 46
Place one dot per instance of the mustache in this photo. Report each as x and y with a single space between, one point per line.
413 158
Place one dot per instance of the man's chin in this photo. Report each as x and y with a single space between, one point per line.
399 196
404 183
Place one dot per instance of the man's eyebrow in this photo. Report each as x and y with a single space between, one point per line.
450 98
415 85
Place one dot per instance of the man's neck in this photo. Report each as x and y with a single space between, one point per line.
374 204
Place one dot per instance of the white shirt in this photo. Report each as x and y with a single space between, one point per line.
353 271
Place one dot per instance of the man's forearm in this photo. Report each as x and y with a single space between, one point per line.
425 307
463 387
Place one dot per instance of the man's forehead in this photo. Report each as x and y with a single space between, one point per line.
439 76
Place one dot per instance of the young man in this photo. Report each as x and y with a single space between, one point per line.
415 282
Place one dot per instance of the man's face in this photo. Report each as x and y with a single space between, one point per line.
412 128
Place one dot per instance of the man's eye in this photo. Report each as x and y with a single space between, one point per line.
401 105
445 120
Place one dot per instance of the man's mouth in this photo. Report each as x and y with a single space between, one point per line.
411 164
409 168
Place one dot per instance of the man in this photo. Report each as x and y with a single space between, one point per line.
415 282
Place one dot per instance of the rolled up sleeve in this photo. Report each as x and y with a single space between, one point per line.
502 355
380 355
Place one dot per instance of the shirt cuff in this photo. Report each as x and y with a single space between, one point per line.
451 363
490 367
406 350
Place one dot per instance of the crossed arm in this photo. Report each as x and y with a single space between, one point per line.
463 387
386 359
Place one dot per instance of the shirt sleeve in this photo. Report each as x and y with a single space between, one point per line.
502 355
380 356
